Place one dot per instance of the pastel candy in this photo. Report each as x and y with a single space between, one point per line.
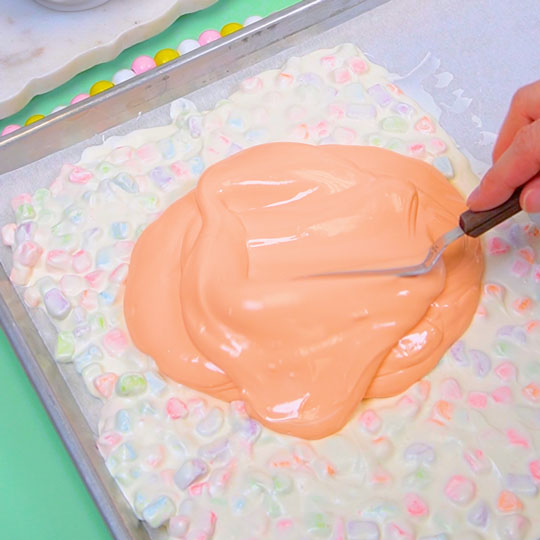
131 384
8 234
211 423
398 530
361 110
380 95
252 19
159 511
65 347
403 109
363 530
155 383
208 36
178 526
187 46
142 63
478 515
122 76
28 253
419 452
81 261
497 246
444 165
176 408
370 421
191 471
513 527
521 484
481 363
460 490
459 353
394 124
25 232
57 304
416 506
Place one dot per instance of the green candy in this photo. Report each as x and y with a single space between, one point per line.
282 483
65 347
25 212
131 384
318 523
41 196
395 124
376 140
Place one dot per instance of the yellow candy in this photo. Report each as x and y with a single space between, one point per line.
230 28
34 118
165 55
100 86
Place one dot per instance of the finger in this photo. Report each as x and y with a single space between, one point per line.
518 164
524 109
530 196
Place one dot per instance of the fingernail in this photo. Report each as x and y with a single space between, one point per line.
531 201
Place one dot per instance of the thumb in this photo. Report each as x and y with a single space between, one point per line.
530 196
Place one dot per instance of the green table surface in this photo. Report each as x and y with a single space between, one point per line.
41 493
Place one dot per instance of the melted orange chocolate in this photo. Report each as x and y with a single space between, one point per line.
216 293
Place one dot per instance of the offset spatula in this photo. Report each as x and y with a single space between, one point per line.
470 223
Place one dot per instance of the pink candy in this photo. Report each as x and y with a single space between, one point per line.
503 394
104 384
357 64
81 261
342 75
477 400
517 439
370 421
107 441
477 461
506 371
415 505
424 125
450 389
20 275
79 175
417 150
119 274
96 279
115 342
8 234
497 246
520 268
57 259
79 97
437 146
28 253
534 469
176 408
460 489
10 129
208 36
143 63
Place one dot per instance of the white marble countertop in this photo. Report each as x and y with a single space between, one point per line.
41 48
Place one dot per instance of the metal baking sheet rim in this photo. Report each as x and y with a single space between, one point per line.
61 130
174 79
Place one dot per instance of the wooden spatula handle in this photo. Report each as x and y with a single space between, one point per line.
476 223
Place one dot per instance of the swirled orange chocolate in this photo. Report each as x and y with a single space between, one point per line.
216 294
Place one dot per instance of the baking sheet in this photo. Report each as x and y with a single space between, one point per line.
462 61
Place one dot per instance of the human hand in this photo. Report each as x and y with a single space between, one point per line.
516 157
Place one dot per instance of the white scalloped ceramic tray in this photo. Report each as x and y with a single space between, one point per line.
41 48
